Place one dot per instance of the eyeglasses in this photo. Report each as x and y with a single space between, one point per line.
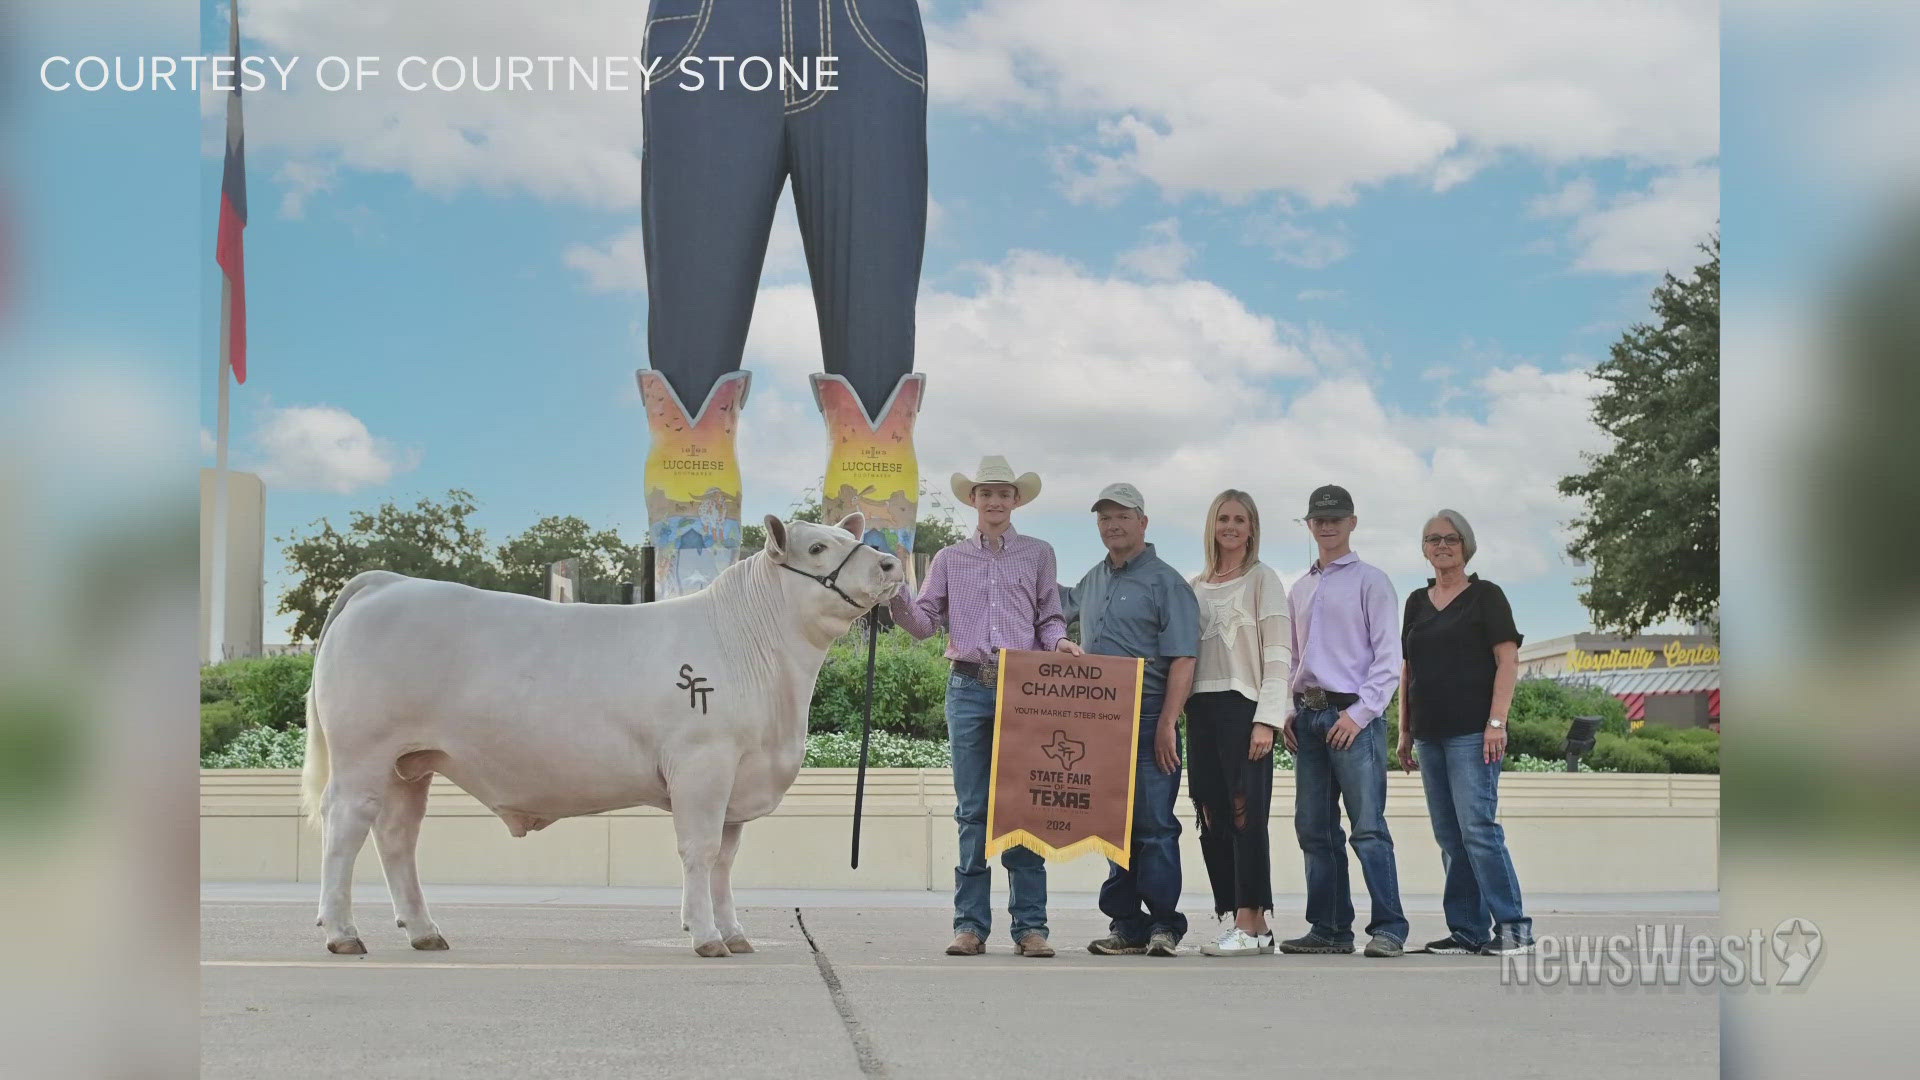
1449 540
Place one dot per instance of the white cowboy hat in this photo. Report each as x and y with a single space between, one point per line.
995 470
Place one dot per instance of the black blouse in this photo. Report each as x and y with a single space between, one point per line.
1449 656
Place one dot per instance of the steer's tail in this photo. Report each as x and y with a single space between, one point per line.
315 770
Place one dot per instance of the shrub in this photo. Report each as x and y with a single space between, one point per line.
1557 704
216 683
1677 736
220 721
909 686
841 749
1538 737
271 690
1691 757
1620 753
260 748
1525 763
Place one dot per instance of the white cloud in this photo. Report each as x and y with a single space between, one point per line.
1177 386
322 448
615 265
1322 100
1297 244
1309 101
302 180
1658 228
582 146
1650 231
1575 197
1163 255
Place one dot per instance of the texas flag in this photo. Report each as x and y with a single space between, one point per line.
228 250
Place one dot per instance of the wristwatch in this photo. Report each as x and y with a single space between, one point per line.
1495 722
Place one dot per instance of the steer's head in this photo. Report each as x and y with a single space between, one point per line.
847 576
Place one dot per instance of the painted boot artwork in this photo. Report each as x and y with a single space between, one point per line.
693 482
871 467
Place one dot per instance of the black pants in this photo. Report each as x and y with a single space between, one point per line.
1232 797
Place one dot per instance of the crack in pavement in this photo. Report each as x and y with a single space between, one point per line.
863 1051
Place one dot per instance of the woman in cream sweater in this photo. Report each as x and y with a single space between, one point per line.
1239 701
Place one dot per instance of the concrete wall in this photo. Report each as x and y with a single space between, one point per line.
1587 833
246 557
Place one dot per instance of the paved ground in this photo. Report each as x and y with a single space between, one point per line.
601 983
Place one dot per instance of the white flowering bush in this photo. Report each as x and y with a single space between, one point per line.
261 748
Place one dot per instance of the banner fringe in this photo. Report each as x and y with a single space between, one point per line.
1061 854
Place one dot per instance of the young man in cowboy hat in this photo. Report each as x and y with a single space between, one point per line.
994 590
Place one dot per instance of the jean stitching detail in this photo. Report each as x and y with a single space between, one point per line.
878 50
819 93
693 41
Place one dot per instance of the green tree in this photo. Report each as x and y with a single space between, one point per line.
431 539
604 559
1651 530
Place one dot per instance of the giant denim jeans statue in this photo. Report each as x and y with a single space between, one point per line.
716 157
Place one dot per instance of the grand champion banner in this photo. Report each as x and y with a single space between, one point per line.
1065 742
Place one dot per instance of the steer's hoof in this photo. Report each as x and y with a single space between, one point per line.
739 944
711 948
430 943
347 947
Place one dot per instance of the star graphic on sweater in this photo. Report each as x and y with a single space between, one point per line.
1227 615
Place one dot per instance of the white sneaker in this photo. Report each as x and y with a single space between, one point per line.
1266 943
1235 942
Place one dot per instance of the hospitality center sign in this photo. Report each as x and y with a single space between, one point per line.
1064 751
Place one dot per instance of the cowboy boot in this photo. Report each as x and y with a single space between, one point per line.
693 482
871 467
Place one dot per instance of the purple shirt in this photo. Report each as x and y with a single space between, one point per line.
987 598
1345 634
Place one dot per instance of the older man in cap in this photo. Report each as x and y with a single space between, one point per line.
1132 604
994 590
1346 640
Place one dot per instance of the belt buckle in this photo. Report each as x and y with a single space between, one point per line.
1315 697
990 672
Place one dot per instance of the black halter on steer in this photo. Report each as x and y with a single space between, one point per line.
831 580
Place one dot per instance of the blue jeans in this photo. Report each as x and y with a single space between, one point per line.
715 160
1323 779
970 732
1145 897
1463 795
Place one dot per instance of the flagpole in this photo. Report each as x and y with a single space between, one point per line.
217 594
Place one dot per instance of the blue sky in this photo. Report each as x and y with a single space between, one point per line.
1228 245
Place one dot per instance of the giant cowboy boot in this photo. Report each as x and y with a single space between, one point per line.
693 482
871 466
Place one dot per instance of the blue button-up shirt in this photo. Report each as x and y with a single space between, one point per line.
1141 608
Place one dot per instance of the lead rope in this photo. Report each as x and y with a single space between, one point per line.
866 734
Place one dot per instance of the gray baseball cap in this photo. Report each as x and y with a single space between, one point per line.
1125 494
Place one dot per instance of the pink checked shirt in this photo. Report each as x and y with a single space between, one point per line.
988 599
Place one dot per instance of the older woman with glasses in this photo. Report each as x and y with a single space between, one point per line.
1461 662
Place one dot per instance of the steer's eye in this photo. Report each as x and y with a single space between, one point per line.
818 548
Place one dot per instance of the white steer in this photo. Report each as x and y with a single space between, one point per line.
697 705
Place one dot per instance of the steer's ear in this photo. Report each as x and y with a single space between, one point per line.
855 523
776 545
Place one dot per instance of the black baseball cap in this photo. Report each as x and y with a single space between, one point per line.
1329 501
